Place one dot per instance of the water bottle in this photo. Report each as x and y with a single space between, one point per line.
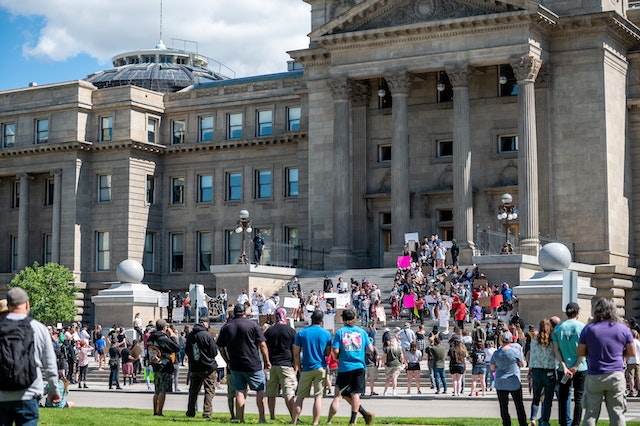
565 379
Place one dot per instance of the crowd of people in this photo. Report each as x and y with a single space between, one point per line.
473 325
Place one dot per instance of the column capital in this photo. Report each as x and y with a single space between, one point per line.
399 82
526 67
459 75
23 175
340 89
360 92
544 77
56 172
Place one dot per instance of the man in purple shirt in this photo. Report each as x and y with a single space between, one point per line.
606 342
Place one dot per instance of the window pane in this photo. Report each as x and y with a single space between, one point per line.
294 118
234 186
264 184
46 252
48 192
148 257
235 126
103 251
8 135
151 187
106 128
204 245
151 130
104 193
234 247
445 148
508 143
205 191
179 128
42 131
206 129
265 122
177 190
292 182
177 254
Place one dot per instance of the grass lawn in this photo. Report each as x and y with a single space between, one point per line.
127 417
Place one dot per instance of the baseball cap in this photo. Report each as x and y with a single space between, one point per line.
204 319
407 325
238 309
572 308
17 296
507 336
348 315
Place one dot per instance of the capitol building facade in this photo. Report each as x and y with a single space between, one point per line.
409 116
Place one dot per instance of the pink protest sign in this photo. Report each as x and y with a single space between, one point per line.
404 262
409 301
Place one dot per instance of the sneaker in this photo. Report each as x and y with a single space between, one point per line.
384 392
437 392
395 393
374 394
368 418
419 393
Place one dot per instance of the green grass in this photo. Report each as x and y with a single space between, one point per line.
127 417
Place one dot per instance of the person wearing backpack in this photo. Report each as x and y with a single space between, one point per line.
201 351
22 380
162 347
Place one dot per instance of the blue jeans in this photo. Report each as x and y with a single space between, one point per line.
564 401
439 376
544 383
489 377
23 413
364 317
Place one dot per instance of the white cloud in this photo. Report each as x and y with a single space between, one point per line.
249 36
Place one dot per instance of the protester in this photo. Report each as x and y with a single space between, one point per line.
114 363
506 362
606 343
63 389
162 348
565 345
201 350
457 366
542 364
414 356
393 358
242 342
280 338
478 368
19 403
314 344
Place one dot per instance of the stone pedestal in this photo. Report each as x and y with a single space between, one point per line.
541 297
118 304
511 268
237 277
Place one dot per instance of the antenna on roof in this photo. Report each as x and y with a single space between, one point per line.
161 20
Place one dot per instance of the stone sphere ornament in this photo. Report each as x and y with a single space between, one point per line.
554 257
130 271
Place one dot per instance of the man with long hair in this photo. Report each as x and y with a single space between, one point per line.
606 342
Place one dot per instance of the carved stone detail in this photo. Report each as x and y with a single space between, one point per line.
360 92
544 77
460 76
526 68
340 88
399 82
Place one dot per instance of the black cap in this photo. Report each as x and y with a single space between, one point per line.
348 315
238 309
204 319
317 316
572 308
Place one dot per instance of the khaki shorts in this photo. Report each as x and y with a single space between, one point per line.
633 371
372 373
390 372
317 378
283 377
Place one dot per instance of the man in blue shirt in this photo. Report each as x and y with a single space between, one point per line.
314 342
349 346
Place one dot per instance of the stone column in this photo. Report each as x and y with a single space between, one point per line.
340 255
360 98
525 70
460 78
23 221
399 85
56 216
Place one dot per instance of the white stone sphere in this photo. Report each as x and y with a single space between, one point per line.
130 271
554 257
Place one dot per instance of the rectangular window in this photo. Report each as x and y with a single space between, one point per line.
47 243
384 153
205 189
104 188
106 128
103 251
148 259
151 189
177 190
42 131
205 244
49 191
234 126
445 148
178 128
15 195
234 186
291 235
234 247
8 135
14 253
263 184
177 252
293 118
265 122
292 182
152 127
206 129
507 143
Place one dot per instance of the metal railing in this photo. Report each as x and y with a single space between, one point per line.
293 256
490 242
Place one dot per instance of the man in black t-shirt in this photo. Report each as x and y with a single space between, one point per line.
280 337
241 342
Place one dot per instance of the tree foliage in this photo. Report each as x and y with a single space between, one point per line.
51 292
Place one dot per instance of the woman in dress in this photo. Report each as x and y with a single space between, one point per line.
542 364
381 314
414 356
506 362
443 325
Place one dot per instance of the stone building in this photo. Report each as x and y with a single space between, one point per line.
404 116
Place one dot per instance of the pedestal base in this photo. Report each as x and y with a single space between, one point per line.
235 278
118 304
340 259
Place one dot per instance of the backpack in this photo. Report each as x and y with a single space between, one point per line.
18 369
154 354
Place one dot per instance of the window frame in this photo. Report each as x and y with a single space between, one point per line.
103 254
176 257
49 191
439 151
15 194
152 134
14 252
232 255
6 136
382 156
104 188
290 183
177 198
263 188
41 136
47 248
514 141
229 188
202 189
150 189
109 128
148 255
231 128
204 249
293 123
202 129
178 132
262 123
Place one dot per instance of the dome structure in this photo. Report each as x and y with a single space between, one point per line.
160 69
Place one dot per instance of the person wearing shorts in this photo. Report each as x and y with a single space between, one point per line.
349 345
314 343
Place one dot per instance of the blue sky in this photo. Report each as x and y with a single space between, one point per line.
50 41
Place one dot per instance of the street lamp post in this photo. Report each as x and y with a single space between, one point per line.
506 213
244 227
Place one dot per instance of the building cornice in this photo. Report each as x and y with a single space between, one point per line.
286 138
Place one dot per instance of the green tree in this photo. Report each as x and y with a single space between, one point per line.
51 292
